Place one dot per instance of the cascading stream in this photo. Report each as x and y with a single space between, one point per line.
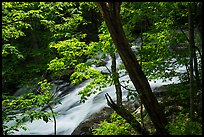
71 112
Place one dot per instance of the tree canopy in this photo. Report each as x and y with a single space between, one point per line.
47 41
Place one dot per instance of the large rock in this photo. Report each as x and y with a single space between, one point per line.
160 91
85 127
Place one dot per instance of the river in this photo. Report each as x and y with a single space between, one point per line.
71 112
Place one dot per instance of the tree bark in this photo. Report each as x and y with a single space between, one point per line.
141 59
191 48
110 12
115 77
118 107
55 122
195 61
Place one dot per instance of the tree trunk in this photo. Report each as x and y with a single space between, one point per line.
115 77
110 12
55 122
141 59
118 107
35 45
191 45
197 77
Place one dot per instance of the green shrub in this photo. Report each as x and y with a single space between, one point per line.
184 126
117 126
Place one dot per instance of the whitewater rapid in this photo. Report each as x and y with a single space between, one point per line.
71 112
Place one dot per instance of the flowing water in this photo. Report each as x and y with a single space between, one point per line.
71 112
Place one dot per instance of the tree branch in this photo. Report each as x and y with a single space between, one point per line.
124 113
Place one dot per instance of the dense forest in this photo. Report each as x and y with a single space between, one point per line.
44 43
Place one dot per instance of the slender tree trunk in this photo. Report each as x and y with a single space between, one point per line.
35 45
141 59
116 80
191 45
195 61
55 122
118 107
110 12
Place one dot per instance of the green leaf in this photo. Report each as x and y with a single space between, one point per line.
45 118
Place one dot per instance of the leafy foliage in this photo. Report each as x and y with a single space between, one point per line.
29 28
157 28
61 36
71 51
26 108
97 80
86 71
116 126
184 126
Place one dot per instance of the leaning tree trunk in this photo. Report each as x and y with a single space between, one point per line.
111 14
